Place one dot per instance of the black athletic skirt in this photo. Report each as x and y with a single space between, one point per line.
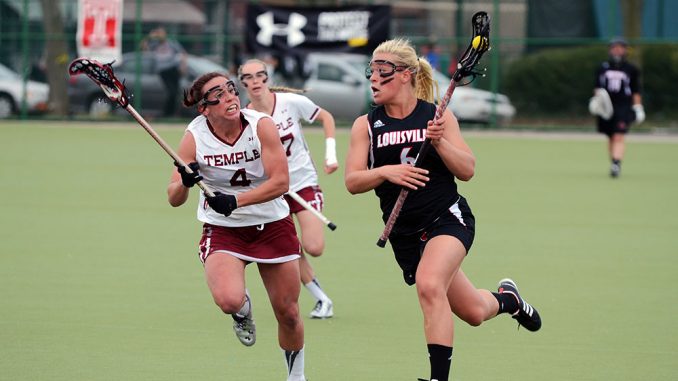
457 221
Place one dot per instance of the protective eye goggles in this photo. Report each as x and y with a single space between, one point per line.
213 96
384 68
260 75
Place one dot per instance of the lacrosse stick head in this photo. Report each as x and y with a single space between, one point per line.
480 44
102 75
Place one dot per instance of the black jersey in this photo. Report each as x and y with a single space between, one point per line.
621 80
397 141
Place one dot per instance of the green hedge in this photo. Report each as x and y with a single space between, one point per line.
559 82
660 80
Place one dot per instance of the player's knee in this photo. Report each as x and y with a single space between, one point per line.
429 292
229 304
313 247
288 315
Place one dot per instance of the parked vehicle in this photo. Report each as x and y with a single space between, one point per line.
337 83
86 97
473 105
12 94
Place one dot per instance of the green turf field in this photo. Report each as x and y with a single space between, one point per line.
99 278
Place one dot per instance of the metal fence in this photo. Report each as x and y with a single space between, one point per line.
213 29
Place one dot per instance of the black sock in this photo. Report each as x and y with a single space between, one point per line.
440 357
616 161
507 302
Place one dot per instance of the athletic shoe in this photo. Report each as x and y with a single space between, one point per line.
527 316
615 170
244 326
322 310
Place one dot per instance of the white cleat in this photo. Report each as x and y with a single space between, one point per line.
244 327
322 310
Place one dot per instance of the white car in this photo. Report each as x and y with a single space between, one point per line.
12 94
337 83
469 104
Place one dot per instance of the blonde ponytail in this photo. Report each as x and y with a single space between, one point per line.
285 89
424 86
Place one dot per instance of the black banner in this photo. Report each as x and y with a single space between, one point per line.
297 31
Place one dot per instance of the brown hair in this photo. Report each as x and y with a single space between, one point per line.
422 80
194 94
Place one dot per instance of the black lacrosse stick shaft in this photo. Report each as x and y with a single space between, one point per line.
480 44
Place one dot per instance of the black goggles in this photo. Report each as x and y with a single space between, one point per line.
213 96
384 68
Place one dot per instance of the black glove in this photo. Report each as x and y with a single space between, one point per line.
189 179
222 203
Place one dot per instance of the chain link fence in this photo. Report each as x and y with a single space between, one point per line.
559 47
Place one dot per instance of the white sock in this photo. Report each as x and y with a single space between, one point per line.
295 364
315 289
246 307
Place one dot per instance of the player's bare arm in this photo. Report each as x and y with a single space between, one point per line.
329 127
275 166
447 140
177 193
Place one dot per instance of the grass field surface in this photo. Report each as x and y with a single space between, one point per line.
99 277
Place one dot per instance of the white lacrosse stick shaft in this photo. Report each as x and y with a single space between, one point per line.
311 209
166 147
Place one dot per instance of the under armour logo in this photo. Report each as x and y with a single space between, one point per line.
292 30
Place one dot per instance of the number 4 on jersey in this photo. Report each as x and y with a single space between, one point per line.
240 178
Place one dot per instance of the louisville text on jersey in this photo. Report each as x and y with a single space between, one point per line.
400 137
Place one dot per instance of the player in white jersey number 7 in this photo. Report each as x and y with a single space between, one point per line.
238 154
287 109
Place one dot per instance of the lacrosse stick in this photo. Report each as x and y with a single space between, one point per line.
311 209
480 44
102 75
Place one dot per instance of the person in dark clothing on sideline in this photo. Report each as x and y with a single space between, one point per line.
170 63
621 81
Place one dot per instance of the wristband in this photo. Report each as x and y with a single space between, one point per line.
330 151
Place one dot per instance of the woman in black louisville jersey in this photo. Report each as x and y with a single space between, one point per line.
435 228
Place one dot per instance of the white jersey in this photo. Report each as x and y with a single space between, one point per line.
288 110
233 168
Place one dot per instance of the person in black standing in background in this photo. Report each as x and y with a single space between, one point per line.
170 63
621 80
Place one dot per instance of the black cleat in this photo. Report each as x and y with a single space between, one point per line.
615 170
527 316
